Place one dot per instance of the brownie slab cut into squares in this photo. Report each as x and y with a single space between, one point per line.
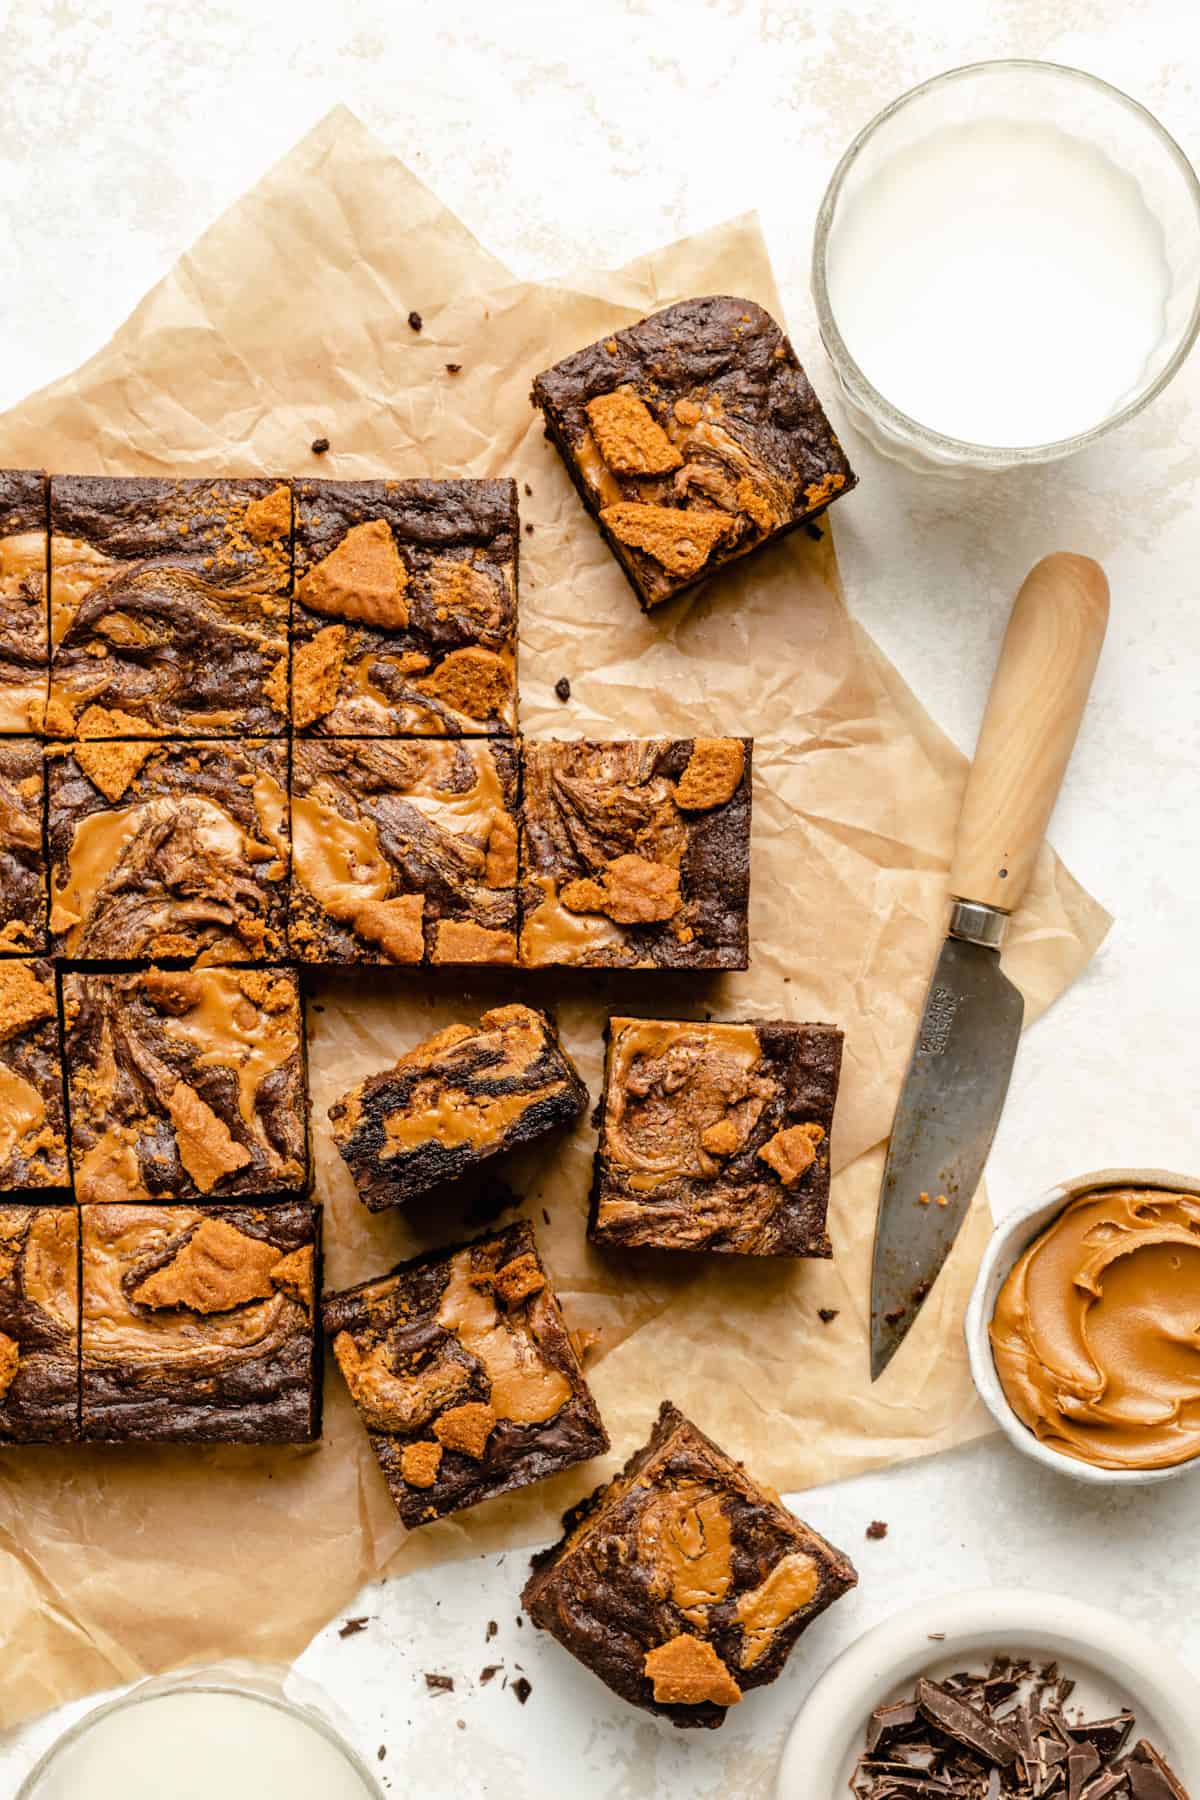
39 1325
716 1136
693 437
465 1376
683 1582
405 622
199 1325
24 636
169 606
464 1095
168 851
636 854
22 849
404 852
33 1145
186 1084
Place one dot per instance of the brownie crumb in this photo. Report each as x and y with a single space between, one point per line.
522 1688
439 1684
415 321
528 491
877 1529
319 446
562 688
454 368
352 1627
827 1314
488 1674
381 1753
492 1629
529 531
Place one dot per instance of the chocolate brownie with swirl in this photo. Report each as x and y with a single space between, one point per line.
24 636
693 438
403 852
168 850
22 849
636 854
405 620
186 1084
33 1144
169 607
464 1374
39 1324
199 1326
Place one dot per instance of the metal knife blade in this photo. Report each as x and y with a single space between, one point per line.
949 1109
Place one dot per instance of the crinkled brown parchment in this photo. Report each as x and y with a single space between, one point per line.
286 322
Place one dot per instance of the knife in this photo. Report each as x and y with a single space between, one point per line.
966 1042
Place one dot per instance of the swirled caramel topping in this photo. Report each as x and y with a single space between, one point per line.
1096 1332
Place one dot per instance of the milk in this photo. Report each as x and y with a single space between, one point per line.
203 1746
999 281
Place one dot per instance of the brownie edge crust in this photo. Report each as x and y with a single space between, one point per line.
683 1583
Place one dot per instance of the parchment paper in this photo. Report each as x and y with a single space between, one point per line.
288 320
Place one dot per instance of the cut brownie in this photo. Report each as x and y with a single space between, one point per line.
172 851
683 1582
462 1096
199 1327
404 852
169 607
716 1137
24 638
693 437
186 1084
39 1324
405 621
465 1376
22 851
636 855
33 1147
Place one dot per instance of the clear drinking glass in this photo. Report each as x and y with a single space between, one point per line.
1066 106
330 1763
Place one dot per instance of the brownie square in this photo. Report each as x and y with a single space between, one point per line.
405 622
683 1583
464 1095
22 849
636 854
24 634
173 851
199 1325
693 438
186 1084
169 607
404 852
33 1144
716 1137
465 1376
39 1324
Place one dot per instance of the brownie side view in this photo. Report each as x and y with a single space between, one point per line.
39 1325
716 1137
693 437
22 850
186 1084
169 606
170 852
405 621
636 854
466 1094
404 852
33 1146
24 635
464 1374
683 1583
199 1326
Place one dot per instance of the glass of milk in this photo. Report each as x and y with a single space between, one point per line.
220 1733
1007 265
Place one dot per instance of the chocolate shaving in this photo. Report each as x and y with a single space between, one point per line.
351 1627
439 1684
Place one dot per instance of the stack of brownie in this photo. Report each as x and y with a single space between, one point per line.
249 726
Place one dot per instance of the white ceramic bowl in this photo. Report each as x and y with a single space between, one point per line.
1112 1662
1008 1241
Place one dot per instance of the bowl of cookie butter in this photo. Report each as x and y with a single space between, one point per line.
1083 1329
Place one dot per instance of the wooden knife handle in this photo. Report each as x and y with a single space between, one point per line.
1038 694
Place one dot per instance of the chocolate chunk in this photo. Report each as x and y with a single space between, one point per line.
1150 1777
319 446
966 1725
522 1689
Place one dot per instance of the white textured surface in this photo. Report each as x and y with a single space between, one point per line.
563 133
